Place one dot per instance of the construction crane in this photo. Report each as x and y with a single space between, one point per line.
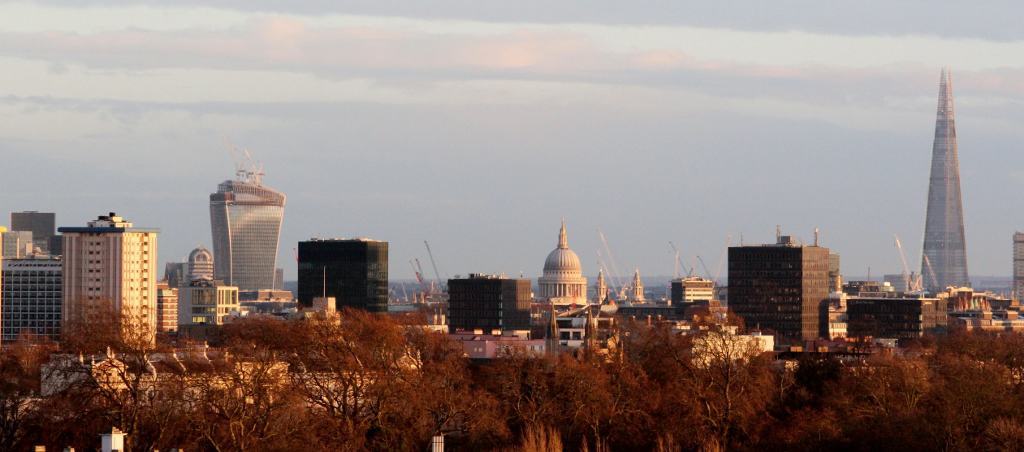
913 284
678 263
722 258
702 264
611 260
437 275
405 293
931 271
246 168
417 269
610 282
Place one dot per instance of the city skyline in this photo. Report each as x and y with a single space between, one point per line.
703 130
482 225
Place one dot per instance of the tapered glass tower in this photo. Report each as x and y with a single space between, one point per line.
944 260
245 218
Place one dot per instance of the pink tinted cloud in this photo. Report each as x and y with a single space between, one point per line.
288 44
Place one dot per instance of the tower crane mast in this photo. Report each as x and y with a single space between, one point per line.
437 275
616 281
678 263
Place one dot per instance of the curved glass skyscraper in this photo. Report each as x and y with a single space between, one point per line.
245 218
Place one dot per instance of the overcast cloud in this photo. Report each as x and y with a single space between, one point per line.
477 125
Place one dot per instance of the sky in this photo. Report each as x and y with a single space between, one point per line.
478 125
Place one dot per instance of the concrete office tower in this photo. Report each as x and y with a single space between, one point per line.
30 298
245 218
110 269
944 260
200 264
354 272
488 303
17 244
206 302
1018 265
563 282
779 288
41 224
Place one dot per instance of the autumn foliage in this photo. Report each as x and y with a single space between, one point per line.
367 382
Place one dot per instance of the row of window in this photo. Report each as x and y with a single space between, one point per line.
10 316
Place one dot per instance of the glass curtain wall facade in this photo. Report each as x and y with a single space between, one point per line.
354 272
31 298
944 261
488 303
246 219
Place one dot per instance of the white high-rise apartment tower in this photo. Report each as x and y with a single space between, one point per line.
110 269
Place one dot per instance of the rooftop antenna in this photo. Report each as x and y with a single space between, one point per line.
816 234
778 233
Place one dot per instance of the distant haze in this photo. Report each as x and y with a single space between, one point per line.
478 126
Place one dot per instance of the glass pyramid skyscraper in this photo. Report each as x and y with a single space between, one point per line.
944 257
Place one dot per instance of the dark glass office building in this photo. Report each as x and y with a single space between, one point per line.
488 303
42 225
354 272
779 288
894 318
